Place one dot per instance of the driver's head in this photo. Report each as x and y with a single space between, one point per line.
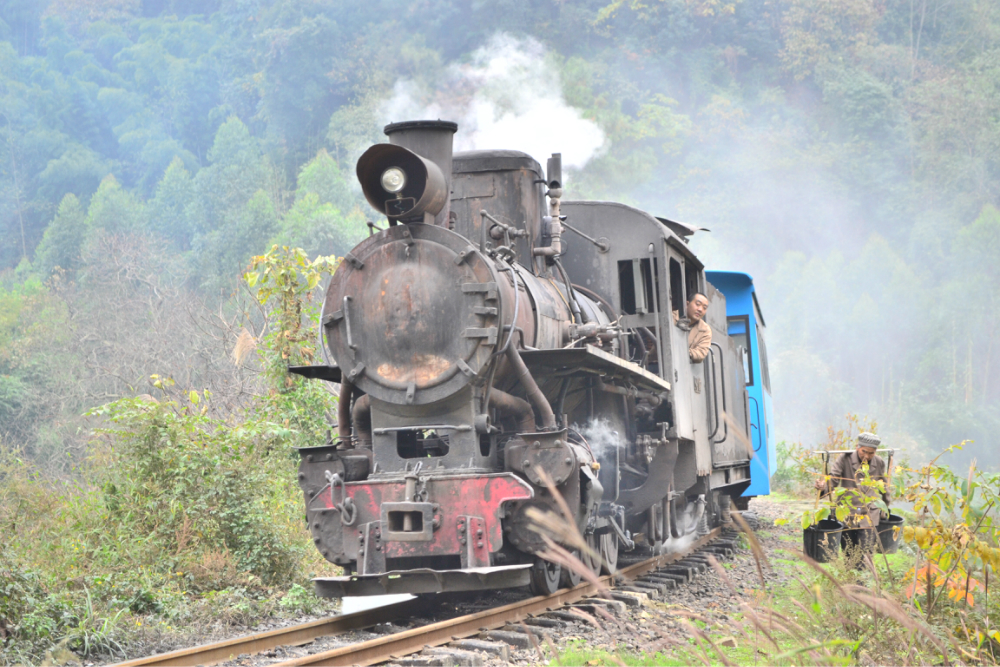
697 307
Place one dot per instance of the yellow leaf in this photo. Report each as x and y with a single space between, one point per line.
193 396
252 278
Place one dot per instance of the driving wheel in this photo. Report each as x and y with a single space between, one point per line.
609 553
544 577
569 577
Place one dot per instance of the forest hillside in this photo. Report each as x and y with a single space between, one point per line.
845 153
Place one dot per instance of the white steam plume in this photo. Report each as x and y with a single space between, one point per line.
601 437
508 96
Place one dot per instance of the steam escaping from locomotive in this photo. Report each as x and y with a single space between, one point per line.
507 95
603 439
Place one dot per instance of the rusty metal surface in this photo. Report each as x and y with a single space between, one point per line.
413 320
449 499
211 654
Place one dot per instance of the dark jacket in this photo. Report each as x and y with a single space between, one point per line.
846 472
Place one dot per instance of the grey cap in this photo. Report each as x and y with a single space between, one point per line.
869 440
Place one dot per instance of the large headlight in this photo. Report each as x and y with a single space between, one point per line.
393 179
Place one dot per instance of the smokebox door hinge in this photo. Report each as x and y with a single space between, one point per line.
354 261
489 288
489 333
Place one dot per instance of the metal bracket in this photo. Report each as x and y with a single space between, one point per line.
475 543
407 236
371 557
464 255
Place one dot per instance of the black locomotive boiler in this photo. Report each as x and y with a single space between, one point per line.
492 336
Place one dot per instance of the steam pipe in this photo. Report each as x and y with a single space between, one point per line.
573 305
362 416
344 411
653 398
531 388
519 408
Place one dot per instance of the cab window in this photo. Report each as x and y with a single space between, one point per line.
765 376
739 326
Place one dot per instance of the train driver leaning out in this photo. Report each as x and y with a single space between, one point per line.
847 472
699 333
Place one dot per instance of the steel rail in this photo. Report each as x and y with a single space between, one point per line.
210 654
397 645
403 643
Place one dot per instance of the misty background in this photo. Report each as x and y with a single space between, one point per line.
844 153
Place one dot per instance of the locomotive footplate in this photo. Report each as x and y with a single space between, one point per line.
574 360
424 581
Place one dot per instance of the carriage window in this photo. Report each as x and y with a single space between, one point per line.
765 375
738 326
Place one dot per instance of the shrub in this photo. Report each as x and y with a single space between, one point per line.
196 490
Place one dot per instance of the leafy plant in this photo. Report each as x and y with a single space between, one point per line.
954 530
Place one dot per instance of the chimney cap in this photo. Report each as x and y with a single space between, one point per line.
421 125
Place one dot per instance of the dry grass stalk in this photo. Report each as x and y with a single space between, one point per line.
760 560
533 640
245 344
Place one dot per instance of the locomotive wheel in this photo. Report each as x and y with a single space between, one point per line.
545 577
609 553
593 561
568 577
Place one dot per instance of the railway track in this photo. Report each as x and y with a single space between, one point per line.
644 576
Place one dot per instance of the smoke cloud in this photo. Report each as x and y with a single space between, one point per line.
509 96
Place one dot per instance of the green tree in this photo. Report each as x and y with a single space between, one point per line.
114 209
169 208
320 228
63 239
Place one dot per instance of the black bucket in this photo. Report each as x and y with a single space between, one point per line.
888 535
863 538
821 542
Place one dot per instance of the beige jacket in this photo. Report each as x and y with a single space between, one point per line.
846 472
699 337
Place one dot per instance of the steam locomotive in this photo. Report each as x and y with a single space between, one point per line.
499 349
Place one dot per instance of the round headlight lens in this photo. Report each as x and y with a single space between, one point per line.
393 179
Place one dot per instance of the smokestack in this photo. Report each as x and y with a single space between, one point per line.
433 140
